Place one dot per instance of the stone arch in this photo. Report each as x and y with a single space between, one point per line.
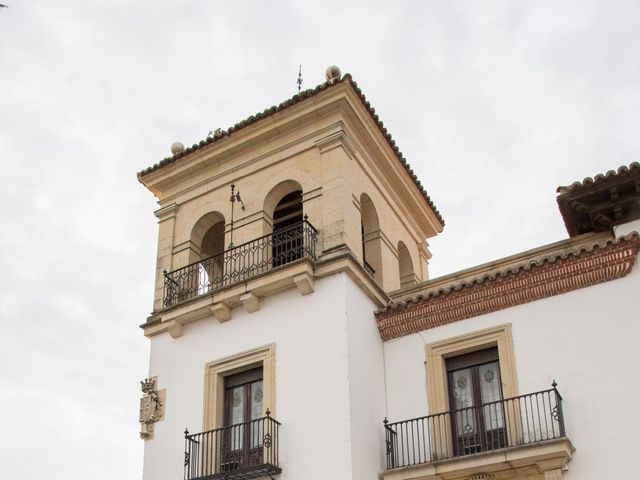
207 236
283 205
277 193
207 250
405 266
371 239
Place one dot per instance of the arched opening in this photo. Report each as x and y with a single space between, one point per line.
405 266
288 229
207 252
371 242
275 197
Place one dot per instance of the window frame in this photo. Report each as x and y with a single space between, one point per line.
217 370
437 353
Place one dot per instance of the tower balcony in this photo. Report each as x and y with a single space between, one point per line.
240 263
524 434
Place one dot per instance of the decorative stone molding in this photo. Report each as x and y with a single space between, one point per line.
310 195
337 139
540 461
188 245
167 212
550 276
247 219
151 407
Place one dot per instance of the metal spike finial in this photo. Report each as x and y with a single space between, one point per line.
299 78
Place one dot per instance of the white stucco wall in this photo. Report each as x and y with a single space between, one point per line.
366 385
313 372
587 340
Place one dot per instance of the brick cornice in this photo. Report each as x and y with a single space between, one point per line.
551 276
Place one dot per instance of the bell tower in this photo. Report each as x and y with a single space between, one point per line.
278 238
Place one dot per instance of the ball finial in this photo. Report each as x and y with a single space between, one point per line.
176 148
332 73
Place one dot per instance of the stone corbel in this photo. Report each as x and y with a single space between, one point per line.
555 474
304 283
175 329
221 311
250 301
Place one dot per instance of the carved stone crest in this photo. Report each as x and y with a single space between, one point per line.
151 407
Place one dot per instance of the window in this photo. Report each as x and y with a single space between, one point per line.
243 409
472 356
475 392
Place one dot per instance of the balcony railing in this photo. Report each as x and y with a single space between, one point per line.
241 263
368 268
242 451
511 422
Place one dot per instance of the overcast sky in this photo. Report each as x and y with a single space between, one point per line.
493 103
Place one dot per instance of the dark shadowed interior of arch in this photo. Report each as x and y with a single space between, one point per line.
288 211
213 240
405 266
211 274
287 229
371 241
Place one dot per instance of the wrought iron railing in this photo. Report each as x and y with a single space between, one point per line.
242 451
522 420
368 268
240 263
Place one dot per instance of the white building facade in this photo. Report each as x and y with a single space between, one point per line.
296 333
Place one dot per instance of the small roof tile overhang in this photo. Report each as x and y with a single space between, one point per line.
288 103
597 204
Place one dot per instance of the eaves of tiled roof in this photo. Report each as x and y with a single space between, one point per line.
601 259
601 177
288 103
600 203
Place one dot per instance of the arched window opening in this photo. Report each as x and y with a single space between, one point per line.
405 266
205 271
211 271
371 241
288 229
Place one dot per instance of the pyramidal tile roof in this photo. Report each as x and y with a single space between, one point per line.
288 103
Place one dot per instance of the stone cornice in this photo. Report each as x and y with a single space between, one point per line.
604 261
